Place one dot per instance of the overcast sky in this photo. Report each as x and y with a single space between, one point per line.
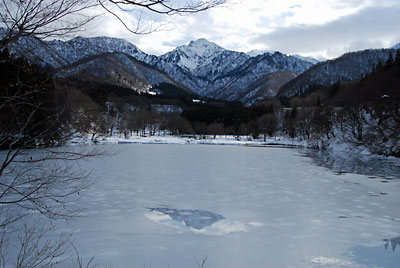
317 28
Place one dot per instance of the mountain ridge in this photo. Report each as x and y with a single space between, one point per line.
201 66
350 66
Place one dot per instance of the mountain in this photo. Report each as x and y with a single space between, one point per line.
201 66
256 52
57 53
396 46
267 85
349 67
119 69
213 71
309 59
234 84
194 57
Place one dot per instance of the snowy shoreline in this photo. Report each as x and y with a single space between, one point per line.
190 139
335 147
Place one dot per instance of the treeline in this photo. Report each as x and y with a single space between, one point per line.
202 120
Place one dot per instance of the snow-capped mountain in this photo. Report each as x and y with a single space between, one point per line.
202 66
233 85
349 67
213 71
195 56
57 53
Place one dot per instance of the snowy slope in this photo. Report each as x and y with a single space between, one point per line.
195 56
267 85
117 69
57 53
232 85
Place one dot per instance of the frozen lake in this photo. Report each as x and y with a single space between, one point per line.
165 206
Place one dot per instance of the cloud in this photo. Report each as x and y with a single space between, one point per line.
325 28
371 27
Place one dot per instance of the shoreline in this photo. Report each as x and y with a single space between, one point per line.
205 140
336 147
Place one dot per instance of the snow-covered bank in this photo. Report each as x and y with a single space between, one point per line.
335 146
190 139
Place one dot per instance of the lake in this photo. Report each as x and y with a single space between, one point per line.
234 206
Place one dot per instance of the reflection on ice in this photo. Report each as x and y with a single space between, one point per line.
378 256
393 241
365 165
197 219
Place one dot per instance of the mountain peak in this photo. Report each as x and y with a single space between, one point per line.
202 47
196 54
200 41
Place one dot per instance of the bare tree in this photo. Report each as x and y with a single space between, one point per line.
267 124
35 178
352 120
215 129
34 250
43 18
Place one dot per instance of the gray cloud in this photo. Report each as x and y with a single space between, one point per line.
369 28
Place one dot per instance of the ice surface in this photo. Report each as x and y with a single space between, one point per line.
164 205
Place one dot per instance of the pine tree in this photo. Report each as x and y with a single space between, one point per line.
379 66
389 63
397 59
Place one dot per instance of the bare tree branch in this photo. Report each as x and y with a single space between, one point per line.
156 7
170 7
43 18
59 18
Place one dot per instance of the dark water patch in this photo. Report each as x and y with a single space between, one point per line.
197 219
